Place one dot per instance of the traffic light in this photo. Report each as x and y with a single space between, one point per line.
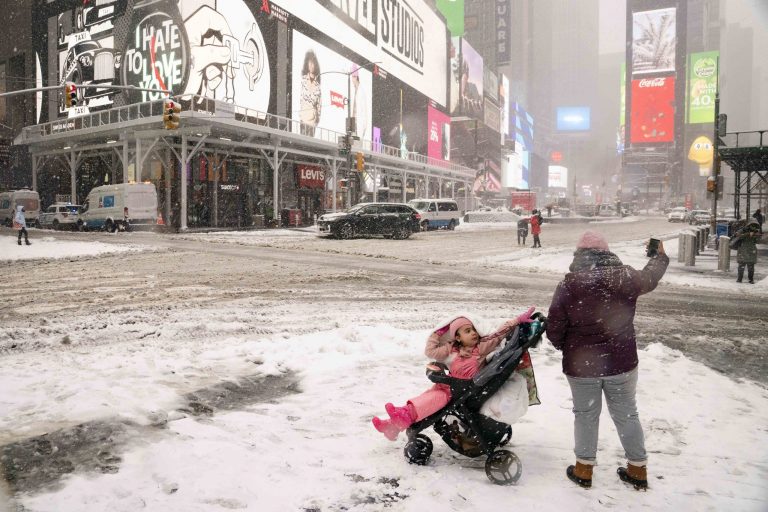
360 159
171 111
711 185
70 95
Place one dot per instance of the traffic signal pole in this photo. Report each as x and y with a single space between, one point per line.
349 139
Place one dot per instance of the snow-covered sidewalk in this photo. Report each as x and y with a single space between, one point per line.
45 246
703 274
317 450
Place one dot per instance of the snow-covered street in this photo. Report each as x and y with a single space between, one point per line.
233 371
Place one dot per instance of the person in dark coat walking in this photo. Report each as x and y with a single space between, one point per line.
746 242
758 216
591 320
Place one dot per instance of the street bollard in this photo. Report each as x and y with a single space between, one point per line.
703 239
724 254
696 242
690 250
681 248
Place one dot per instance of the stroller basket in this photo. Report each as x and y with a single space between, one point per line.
482 434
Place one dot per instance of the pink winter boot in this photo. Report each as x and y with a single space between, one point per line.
401 416
386 427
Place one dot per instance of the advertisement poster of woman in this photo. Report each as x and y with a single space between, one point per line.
337 77
311 94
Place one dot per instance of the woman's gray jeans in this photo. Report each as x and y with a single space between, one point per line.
587 403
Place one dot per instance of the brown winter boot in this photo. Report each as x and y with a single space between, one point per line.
580 474
634 475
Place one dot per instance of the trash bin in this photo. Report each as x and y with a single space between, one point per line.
723 228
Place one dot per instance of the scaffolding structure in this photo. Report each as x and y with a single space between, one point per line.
126 136
746 153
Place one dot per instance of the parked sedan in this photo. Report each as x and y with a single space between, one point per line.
700 217
391 220
679 214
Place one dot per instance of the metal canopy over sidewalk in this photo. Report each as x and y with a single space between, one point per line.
747 154
132 133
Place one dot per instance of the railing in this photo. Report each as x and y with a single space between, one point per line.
201 107
754 138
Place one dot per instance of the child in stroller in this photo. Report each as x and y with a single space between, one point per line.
471 433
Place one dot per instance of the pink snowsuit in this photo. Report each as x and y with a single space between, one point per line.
441 349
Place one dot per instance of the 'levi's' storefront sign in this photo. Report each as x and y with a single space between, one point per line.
310 176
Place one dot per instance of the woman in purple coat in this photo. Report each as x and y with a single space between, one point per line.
591 320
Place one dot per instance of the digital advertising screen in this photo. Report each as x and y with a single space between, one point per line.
153 45
558 176
654 39
702 87
400 114
573 119
653 110
408 39
513 174
471 82
319 98
439 145
504 102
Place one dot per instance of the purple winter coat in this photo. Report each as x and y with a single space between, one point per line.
592 312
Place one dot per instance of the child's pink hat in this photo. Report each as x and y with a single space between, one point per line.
592 240
458 324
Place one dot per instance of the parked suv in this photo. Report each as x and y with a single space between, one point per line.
392 220
437 213
61 215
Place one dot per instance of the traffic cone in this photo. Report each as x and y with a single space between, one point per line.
160 221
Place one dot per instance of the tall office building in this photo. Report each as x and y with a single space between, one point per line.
17 64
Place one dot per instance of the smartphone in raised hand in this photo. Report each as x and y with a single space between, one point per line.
653 247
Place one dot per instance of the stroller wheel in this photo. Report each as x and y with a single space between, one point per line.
503 467
418 450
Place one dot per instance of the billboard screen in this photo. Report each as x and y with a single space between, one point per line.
471 82
558 176
394 34
321 100
400 115
573 119
653 110
504 102
154 45
455 58
439 145
702 87
492 115
513 174
654 37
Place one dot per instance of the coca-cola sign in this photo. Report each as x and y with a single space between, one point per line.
652 82
653 110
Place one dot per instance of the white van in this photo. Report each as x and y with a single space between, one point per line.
437 213
106 207
29 199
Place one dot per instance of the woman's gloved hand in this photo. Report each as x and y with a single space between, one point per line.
525 318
